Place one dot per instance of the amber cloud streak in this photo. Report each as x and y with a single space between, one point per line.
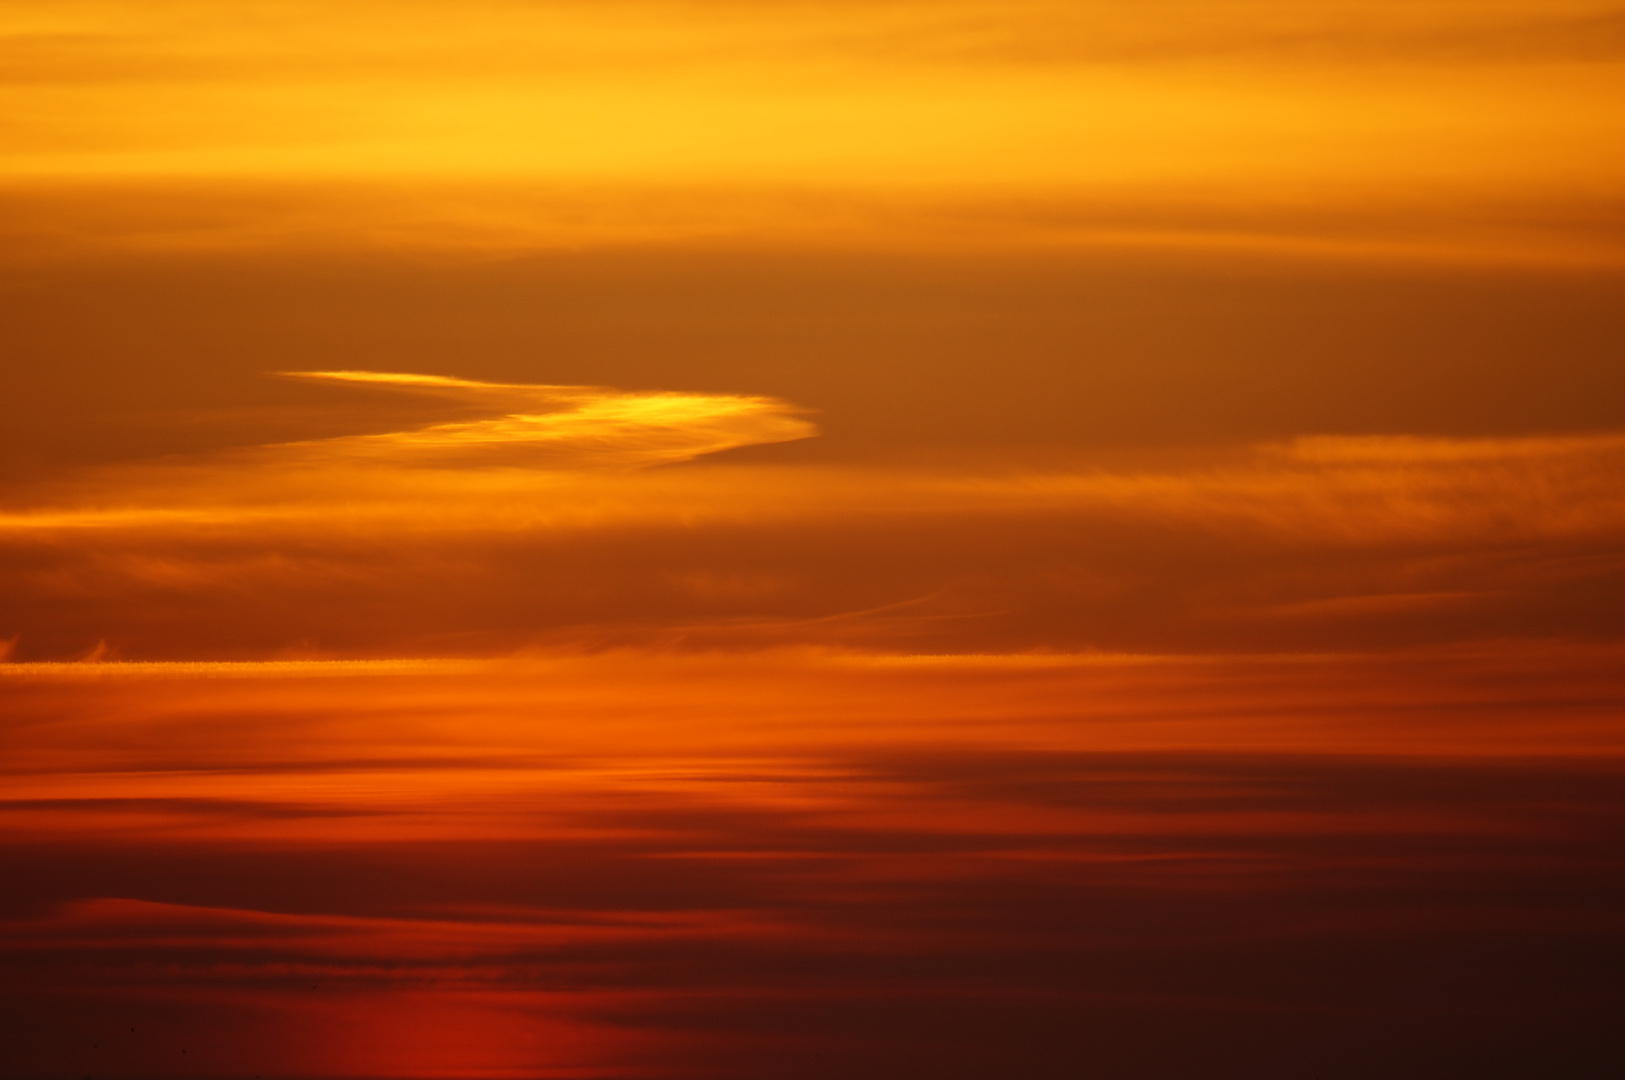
578 426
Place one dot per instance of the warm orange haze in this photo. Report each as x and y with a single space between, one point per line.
711 539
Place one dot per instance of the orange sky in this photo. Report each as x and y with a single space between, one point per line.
1461 131
717 539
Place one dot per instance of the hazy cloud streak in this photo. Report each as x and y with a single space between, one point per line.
568 427
538 527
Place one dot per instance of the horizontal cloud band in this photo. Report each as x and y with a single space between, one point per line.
545 524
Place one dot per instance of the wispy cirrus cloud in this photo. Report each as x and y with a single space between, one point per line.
568 427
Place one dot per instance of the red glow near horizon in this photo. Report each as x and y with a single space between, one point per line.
545 868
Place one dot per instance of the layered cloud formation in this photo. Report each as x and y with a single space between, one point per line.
1192 647
640 866
536 528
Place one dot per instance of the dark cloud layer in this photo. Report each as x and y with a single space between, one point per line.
957 868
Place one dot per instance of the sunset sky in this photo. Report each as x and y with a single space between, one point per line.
863 538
